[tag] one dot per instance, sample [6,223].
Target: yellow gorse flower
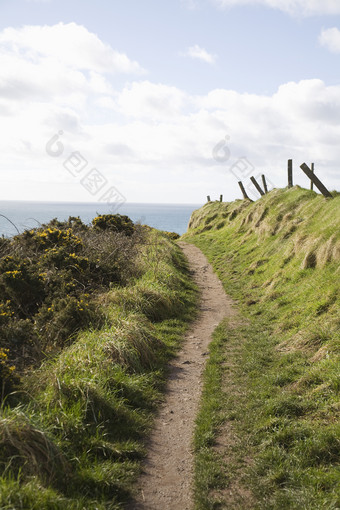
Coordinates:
[14,273]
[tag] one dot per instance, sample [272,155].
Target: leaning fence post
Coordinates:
[257,186]
[315,180]
[311,182]
[264,183]
[290,173]
[244,193]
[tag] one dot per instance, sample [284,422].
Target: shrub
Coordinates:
[172,235]
[115,223]
[8,377]
[112,255]
[5,312]
[73,222]
[49,277]
[17,334]
[48,237]
[21,285]
[64,317]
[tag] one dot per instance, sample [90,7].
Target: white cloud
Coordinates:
[63,65]
[199,53]
[106,102]
[70,44]
[151,101]
[147,137]
[299,121]
[330,38]
[293,7]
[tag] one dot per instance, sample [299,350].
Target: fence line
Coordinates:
[310,172]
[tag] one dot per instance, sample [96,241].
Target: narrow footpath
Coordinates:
[166,481]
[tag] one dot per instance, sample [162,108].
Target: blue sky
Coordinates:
[144,91]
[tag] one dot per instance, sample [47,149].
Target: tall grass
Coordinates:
[279,258]
[77,438]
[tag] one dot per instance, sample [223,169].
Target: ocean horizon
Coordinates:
[17,216]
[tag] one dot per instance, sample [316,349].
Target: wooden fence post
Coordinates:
[244,193]
[208,198]
[315,180]
[257,186]
[264,183]
[290,173]
[311,182]
[221,198]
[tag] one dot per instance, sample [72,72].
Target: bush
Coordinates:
[73,222]
[64,317]
[50,277]
[172,235]
[115,223]
[21,285]
[8,377]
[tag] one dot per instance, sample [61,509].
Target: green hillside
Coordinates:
[273,378]
[89,318]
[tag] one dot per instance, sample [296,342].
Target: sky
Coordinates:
[166,101]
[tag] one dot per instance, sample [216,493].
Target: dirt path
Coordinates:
[167,475]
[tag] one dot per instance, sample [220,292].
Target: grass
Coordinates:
[76,439]
[210,471]
[222,450]
[268,432]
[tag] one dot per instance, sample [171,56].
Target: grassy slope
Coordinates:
[272,383]
[77,439]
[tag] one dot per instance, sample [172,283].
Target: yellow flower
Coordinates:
[13,273]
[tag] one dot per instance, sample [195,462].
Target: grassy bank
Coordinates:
[72,432]
[272,383]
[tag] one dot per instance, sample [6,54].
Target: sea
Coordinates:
[15,216]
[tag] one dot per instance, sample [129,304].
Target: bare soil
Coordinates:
[166,480]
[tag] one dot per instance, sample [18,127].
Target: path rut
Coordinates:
[166,480]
